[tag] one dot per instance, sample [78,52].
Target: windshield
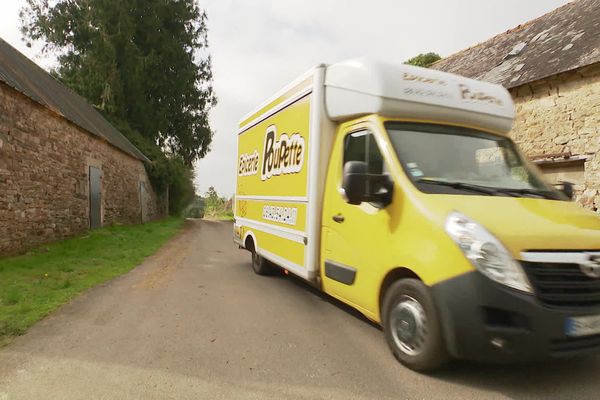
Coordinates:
[447,159]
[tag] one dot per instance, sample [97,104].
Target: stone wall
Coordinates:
[561,114]
[44,184]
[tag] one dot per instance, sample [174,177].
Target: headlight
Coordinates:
[486,252]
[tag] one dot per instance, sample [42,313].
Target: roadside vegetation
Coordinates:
[216,207]
[210,206]
[34,284]
[195,209]
[424,59]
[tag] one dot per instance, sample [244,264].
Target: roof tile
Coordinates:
[562,40]
[25,76]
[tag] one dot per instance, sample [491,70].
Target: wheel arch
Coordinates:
[250,242]
[392,276]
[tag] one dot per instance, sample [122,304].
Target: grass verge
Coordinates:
[34,284]
[226,216]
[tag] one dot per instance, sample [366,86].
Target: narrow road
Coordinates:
[194,322]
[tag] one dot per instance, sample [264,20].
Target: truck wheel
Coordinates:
[262,266]
[411,325]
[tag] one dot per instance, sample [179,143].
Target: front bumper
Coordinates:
[484,321]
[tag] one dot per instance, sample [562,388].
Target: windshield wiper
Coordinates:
[464,186]
[492,191]
[544,194]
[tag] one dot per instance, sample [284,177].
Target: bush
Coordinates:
[217,207]
[195,209]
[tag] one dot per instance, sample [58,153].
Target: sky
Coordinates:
[259,46]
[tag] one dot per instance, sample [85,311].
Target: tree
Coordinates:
[215,206]
[424,60]
[212,198]
[166,172]
[144,62]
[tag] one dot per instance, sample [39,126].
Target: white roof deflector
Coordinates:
[359,87]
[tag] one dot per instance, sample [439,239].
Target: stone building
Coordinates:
[63,167]
[551,66]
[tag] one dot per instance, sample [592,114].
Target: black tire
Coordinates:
[261,266]
[412,326]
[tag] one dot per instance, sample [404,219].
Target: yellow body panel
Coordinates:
[289,250]
[306,83]
[255,178]
[271,196]
[409,233]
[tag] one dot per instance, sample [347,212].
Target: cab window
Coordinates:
[361,146]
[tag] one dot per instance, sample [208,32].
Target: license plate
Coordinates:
[582,326]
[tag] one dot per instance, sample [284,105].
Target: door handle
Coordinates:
[339,218]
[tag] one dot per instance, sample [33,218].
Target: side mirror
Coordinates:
[361,186]
[354,181]
[567,189]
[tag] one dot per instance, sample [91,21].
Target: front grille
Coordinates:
[564,346]
[563,285]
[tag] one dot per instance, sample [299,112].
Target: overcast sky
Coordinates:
[259,46]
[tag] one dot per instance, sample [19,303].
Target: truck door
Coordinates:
[355,237]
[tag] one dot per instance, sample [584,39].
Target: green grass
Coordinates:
[35,284]
[226,216]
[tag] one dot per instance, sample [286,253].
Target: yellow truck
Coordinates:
[397,190]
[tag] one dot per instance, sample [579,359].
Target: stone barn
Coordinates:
[551,66]
[63,167]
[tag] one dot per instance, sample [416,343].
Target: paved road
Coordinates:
[194,322]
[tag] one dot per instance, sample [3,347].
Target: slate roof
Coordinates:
[23,75]
[562,40]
